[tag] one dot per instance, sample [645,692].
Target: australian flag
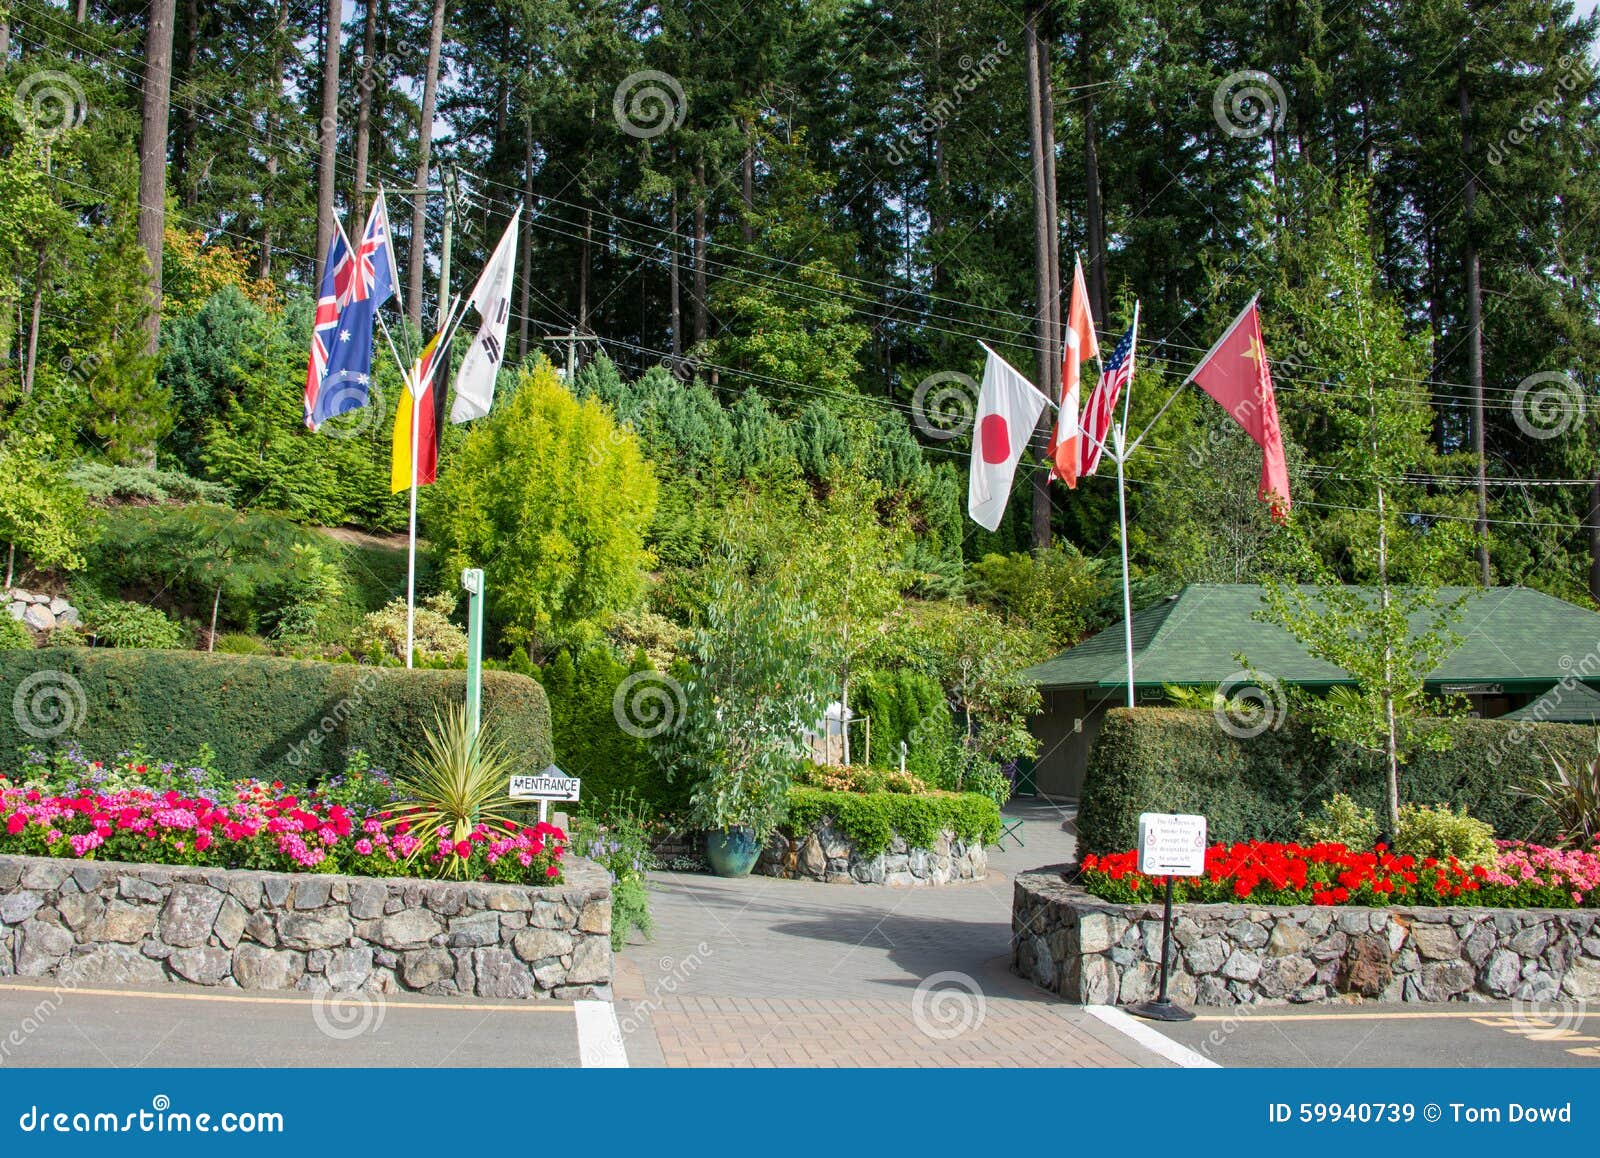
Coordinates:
[355,284]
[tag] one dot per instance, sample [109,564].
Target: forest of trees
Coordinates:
[830,201]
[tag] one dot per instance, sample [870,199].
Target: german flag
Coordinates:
[430,376]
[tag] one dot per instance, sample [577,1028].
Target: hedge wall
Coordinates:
[872,818]
[276,718]
[1173,760]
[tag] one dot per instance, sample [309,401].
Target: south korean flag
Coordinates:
[491,297]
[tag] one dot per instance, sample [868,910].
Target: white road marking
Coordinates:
[599,1036]
[1153,1040]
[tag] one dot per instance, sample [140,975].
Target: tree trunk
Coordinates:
[329,139]
[585,248]
[83,12]
[216,603]
[32,362]
[5,40]
[419,199]
[264,265]
[748,184]
[1094,214]
[11,564]
[1594,540]
[188,124]
[1469,258]
[369,50]
[699,250]
[153,157]
[527,235]
[674,309]
[1036,63]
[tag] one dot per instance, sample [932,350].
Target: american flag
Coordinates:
[1102,403]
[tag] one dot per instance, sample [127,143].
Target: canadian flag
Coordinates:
[1008,411]
[1080,347]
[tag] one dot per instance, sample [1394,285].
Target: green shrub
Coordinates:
[282,719]
[1567,798]
[242,643]
[871,819]
[102,483]
[1341,821]
[1169,760]
[382,634]
[13,634]
[1444,833]
[123,623]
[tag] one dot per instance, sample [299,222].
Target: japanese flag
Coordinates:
[491,297]
[1008,410]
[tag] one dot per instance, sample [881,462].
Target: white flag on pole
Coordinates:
[1008,410]
[491,297]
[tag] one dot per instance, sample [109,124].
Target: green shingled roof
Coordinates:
[1513,636]
[1573,704]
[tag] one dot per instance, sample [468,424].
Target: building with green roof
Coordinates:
[1517,644]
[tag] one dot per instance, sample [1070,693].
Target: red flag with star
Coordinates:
[1235,372]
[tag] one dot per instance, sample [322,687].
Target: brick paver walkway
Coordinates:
[763,972]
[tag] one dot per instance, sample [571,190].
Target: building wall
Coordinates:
[1066,729]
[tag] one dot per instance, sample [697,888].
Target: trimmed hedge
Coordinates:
[871,819]
[1177,760]
[278,719]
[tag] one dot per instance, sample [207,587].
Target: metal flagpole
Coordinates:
[1119,439]
[411,544]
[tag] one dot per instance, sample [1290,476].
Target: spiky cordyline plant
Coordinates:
[456,782]
[1570,798]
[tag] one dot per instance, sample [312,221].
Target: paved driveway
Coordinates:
[764,972]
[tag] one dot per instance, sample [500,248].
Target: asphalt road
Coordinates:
[1336,1037]
[45,1025]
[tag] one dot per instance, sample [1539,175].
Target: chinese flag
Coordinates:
[1236,374]
[1080,347]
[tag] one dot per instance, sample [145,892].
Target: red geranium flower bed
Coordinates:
[1274,873]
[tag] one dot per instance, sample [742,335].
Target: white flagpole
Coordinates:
[411,537]
[1118,438]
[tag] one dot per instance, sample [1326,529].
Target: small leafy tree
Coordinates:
[757,686]
[41,512]
[1395,629]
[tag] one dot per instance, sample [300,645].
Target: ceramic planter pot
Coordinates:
[732,852]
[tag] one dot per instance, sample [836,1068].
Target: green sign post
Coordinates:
[472,580]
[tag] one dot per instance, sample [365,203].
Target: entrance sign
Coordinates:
[551,784]
[1172,844]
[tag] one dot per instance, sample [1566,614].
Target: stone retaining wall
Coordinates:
[100,922]
[1097,953]
[826,854]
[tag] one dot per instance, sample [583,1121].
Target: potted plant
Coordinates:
[760,678]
